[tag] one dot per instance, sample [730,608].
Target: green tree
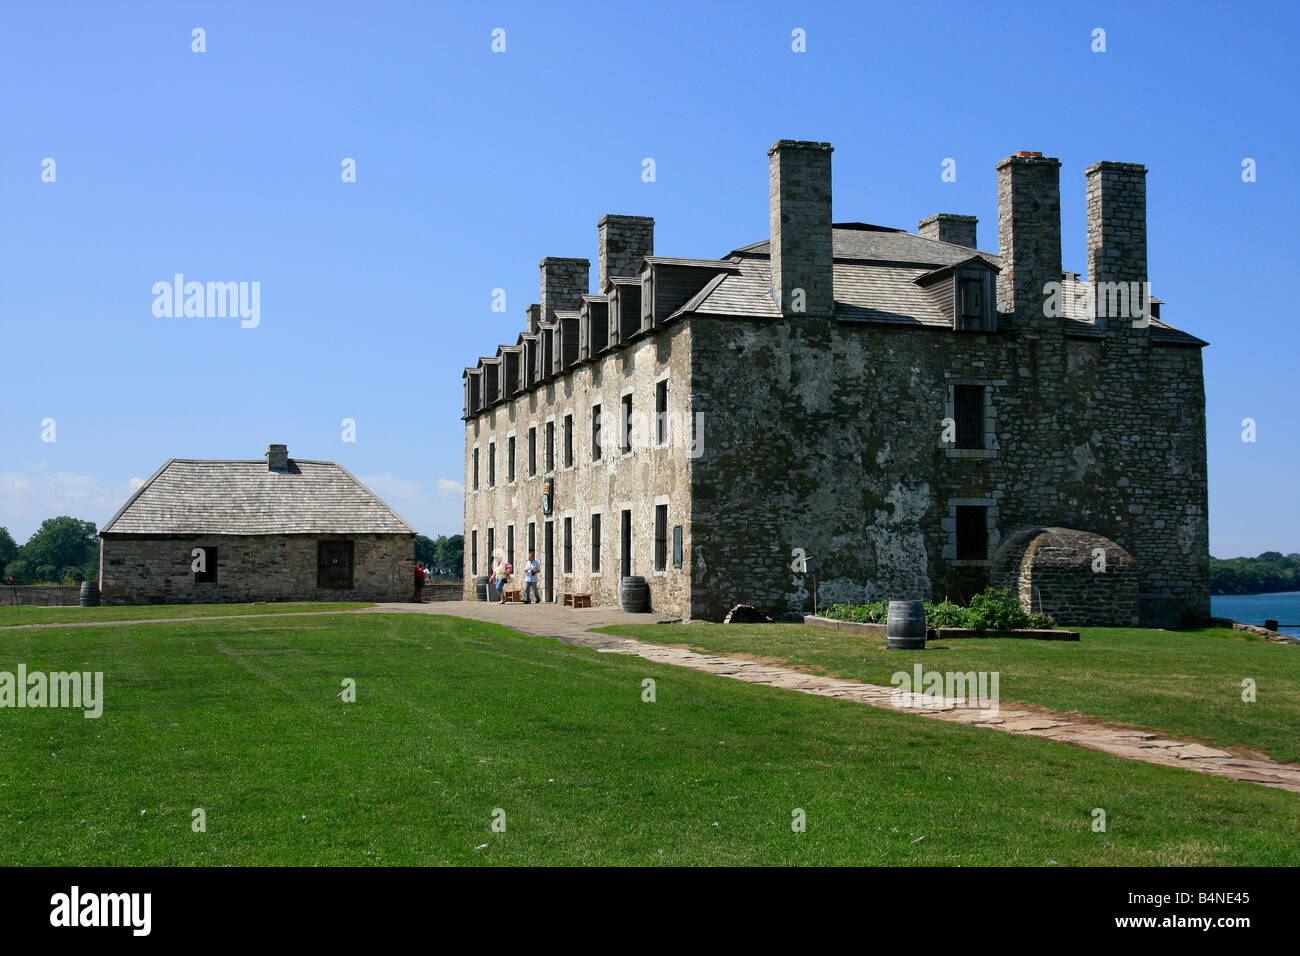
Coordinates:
[61,547]
[8,550]
[425,550]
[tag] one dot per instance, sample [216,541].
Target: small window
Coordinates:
[492,464]
[532,450]
[661,413]
[595,433]
[510,543]
[968,413]
[476,469]
[532,538]
[550,446]
[568,545]
[661,537]
[595,543]
[510,458]
[677,546]
[473,553]
[209,563]
[568,441]
[334,564]
[491,547]
[625,439]
[972,533]
[974,307]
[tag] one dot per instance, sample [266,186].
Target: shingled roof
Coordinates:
[875,268]
[188,497]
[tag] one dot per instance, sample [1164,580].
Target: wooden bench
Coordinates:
[512,597]
[577,600]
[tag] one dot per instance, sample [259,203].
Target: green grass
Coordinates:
[1182,683]
[454,718]
[11,616]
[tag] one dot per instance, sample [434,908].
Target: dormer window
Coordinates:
[975,301]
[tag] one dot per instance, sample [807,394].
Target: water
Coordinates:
[1283,606]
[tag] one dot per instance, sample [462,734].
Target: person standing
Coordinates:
[531,568]
[419,581]
[501,572]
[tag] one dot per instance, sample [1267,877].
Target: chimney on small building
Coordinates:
[1117,240]
[277,457]
[799,214]
[623,242]
[1029,238]
[534,317]
[949,227]
[564,283]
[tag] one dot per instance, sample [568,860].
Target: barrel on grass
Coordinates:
[481,587]
[905,626]
[634,595]
[89,594]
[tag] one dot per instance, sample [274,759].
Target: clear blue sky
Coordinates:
[472,166]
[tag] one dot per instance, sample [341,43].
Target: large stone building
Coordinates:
[274,529]
[913,416]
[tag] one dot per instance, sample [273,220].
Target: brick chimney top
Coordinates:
[277,457]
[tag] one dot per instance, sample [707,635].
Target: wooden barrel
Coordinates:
[634,595]
[481,588]
[905,625]
[89,594]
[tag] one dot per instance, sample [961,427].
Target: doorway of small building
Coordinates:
[548,562]
[625,547]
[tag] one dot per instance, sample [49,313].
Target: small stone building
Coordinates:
[851,410]
[276,529]
[1077,577]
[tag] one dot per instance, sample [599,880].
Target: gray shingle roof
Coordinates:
[875,268]
[244,497]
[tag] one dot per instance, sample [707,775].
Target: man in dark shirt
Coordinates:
[419,582]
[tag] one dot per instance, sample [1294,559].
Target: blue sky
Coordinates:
[472,165]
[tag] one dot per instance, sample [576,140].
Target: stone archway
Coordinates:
[1080,578]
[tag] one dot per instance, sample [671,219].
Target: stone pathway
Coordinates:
[574,627]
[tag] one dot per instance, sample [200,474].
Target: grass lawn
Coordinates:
[10,616]
[456,718]
[1182,683]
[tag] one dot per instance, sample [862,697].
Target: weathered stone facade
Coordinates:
[825,432]
[145,570]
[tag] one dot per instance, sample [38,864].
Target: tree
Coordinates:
[8,549]
[60,548]
[425,550]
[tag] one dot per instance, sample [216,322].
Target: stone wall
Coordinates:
[143,570]
[823,436]
[635,480]
[1076,577]
[40,595]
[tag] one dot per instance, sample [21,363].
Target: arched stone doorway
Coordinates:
[1081,579]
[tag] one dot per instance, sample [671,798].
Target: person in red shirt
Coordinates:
[419,582]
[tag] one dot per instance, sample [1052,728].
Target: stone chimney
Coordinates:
[799,212]
[534,317]
[624,241]
[1029,238]
[949,227]
[564,282]
[1117,242]
[277,457]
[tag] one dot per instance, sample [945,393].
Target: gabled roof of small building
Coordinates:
[189,497]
